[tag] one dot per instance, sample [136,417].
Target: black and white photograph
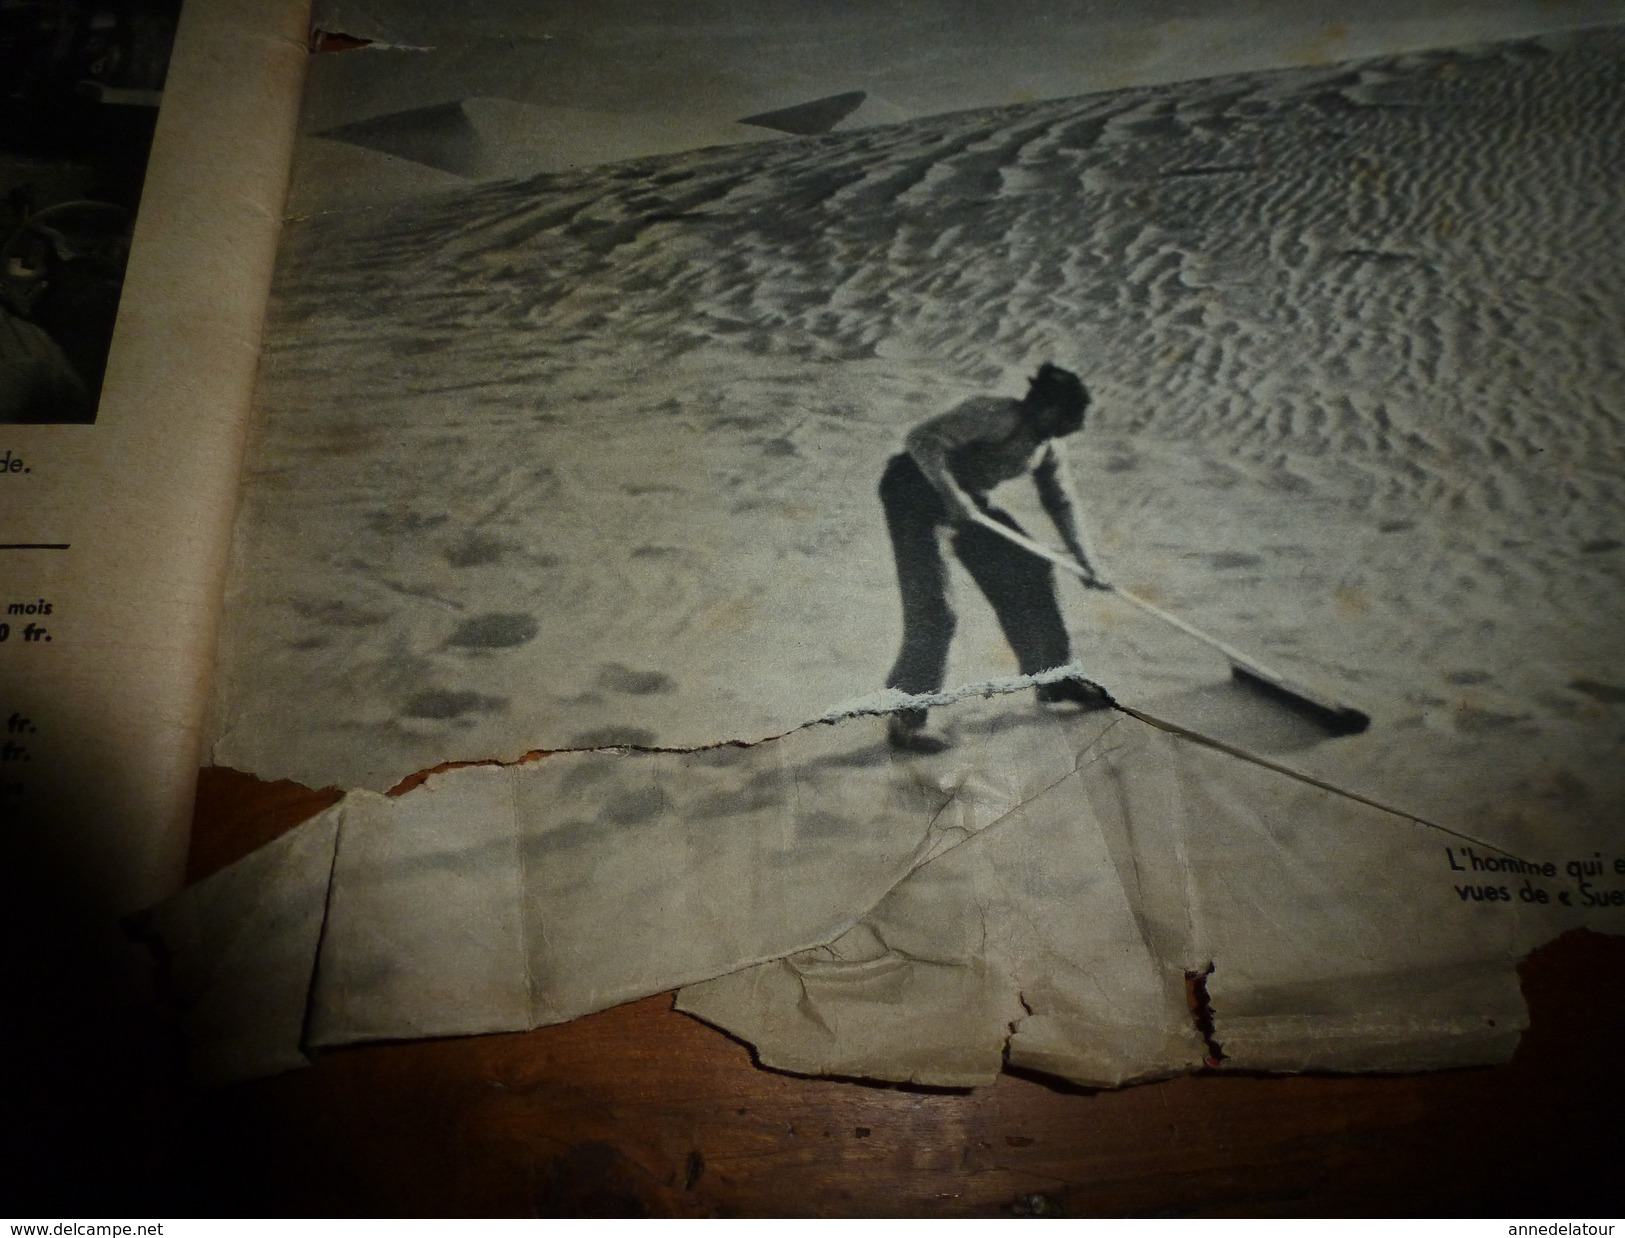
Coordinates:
[1281,408]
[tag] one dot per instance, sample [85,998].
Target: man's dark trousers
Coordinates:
[1020,586]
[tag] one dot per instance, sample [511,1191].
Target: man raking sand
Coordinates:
[942,480]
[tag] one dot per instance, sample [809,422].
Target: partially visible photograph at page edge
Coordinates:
[82,85]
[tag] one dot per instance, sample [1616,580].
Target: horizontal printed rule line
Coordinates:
[33,545]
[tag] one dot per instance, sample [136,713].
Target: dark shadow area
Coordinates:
[806,119]
[89,1066]
[1238,716]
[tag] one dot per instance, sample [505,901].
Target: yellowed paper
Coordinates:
[1331,935]
[237,955]
[502,897]
[1039,898]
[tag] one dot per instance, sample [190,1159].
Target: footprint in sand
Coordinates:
[615,737]
[337,613]
[1471,721]
[635,806]
[494,631]
[443,706]
[476,550]
[1604,693]
[613,677]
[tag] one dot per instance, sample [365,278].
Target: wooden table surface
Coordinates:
[643,1111]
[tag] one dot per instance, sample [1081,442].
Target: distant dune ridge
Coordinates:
[590,458]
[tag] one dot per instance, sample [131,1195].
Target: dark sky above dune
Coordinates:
[561,84]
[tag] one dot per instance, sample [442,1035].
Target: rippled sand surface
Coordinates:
[590,459]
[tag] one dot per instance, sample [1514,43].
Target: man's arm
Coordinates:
[930,442]
[1055,493]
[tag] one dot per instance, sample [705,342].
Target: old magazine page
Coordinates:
[121,444]
[937,536]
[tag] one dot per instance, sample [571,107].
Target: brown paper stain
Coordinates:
[1351,602]
[728,614]
[1327,47]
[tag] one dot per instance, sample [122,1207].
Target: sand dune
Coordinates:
[590,459]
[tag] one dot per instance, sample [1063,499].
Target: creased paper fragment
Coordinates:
[238,950]
[1037,895]
[495,898]
[1027,925]
[1342,936]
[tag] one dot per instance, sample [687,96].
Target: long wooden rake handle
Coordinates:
[1337,716]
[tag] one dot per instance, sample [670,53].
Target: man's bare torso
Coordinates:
[982,442]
